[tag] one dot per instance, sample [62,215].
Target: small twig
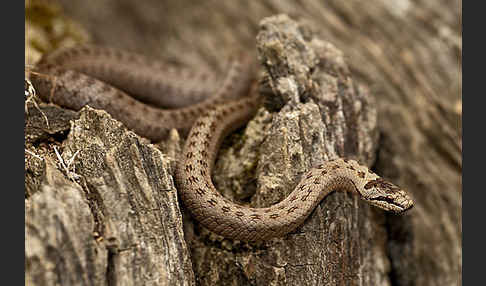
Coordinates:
[48,76]
[72,159]
[71,174]
[34,155]
[59,157]
[30,96]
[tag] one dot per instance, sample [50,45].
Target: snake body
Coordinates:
[78,77]
[211,121]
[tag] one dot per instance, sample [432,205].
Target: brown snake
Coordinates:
[70,86]
[210,121]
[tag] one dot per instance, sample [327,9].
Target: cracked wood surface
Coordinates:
[118,224]
[415,79]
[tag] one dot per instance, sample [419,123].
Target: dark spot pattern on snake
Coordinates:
[227,107]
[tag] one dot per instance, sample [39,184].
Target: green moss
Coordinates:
[47,29]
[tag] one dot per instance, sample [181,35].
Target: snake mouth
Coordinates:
[390,201]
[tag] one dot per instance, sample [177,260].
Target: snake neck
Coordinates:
[319,182]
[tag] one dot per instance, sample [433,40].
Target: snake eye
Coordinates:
[380,183]
[370,184]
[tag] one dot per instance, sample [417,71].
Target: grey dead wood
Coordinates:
[322,115]
[59,246]
[408,57]
[119,223]
[38,134]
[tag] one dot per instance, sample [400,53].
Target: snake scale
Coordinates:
[78,76]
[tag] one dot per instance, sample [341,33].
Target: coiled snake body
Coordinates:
[210,121]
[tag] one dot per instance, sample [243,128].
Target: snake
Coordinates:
[79,76]
[85,75]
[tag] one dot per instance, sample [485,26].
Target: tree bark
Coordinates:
[363,58]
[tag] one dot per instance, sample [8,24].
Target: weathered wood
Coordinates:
[118,224]
[325,116]
[407,55]
[59,244]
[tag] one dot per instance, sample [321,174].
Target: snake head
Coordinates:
[386,196]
